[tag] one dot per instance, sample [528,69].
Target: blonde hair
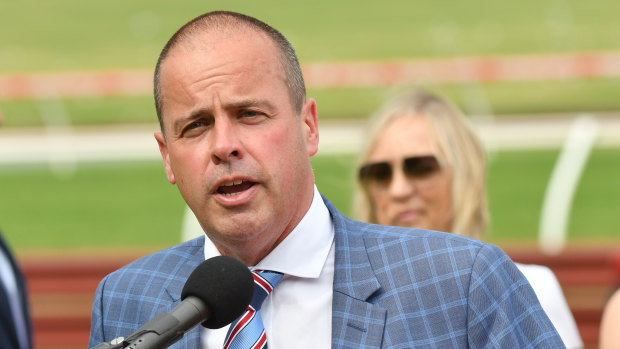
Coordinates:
[459,148]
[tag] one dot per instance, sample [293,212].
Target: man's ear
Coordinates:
[163,149]
[310,125]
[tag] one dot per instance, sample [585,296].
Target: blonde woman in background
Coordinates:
[423,167]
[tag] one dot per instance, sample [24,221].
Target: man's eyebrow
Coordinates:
[250,102]
[240,104]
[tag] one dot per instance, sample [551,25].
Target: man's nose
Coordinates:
[225,142]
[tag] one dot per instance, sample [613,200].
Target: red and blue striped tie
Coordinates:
[248,331]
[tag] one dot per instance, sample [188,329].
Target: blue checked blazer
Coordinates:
[393,288]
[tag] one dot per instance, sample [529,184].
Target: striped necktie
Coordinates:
[248,330]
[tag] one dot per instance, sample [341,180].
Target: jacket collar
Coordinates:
[356,320]
[196,256]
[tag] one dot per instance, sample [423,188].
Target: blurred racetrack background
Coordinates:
[80,173]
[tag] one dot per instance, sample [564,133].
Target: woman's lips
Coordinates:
[407,217]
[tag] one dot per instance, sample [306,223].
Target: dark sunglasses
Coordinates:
[415,167]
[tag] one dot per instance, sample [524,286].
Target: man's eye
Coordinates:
[193,127]
[249,113]
[251,116]
[194,124]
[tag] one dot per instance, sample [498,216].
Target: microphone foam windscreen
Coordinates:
[225,284]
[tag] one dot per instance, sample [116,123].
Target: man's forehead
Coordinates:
[227,60]
[225,46]
[212,38]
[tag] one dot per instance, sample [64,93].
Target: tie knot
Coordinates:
[264,282]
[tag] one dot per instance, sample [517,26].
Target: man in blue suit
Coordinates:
[15,328]
[237,134]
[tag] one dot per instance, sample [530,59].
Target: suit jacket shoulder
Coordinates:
[129,297]
[8,331]
[396,287]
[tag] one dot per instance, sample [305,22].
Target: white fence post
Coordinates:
[563,184]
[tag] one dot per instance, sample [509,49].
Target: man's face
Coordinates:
[234,144]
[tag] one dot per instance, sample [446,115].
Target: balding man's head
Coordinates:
[223,22]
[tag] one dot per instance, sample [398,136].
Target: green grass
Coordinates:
[566,96]
[71,34]
[601,186]
[517,183]
[76,35]
[333,177]
[132,205]
[79,111]
[99,205]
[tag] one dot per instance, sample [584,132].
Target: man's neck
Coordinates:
[251,252]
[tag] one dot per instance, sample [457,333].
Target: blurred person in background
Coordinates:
[423,167]
[15,327]
[610,323]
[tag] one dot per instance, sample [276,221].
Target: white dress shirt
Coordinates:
[298,313]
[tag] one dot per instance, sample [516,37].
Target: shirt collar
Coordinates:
[305,250]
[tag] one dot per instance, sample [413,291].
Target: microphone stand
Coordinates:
[163,329]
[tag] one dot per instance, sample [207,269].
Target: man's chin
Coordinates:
[236,230]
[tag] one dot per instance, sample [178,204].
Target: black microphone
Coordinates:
[217,292]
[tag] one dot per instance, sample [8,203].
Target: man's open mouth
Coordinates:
[234,187]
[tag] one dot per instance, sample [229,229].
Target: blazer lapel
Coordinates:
[191,339]
[356,321]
